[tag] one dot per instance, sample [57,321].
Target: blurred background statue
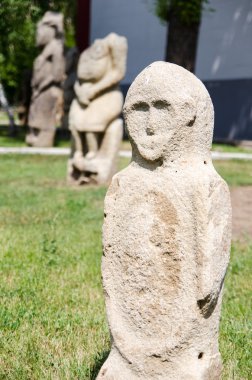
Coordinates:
[48,73]
[71,61]
[93,119]
[5,105]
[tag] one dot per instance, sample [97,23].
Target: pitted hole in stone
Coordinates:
[200,356]
[207,305]
[191,122]
[105,215]
[149,131]
[104,372]
[205,162]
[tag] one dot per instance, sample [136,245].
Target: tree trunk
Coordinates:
[83,24]
[182,41]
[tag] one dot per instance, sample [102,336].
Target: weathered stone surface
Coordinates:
[166,235]
[93,118]
[48,73]
[71,61]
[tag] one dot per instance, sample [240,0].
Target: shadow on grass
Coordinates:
[17,136]
[16,139]
[98,362]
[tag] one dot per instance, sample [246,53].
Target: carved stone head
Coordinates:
[168,113]
[49,27]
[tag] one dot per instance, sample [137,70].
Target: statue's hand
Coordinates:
[83,92]
[84,100]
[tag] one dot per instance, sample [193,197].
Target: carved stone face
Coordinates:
[94,61]
[149,124]
[155,117]
[45,33]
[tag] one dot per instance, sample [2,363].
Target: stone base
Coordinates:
[40,138]
[184,368]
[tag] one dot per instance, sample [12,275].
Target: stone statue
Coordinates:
[48,73]
[93,119]
[166,235]
[71,61]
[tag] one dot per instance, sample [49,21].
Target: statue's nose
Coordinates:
[150,123]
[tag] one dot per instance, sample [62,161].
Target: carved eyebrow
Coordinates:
[140,106]
[161,104]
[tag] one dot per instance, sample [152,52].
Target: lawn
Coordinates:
[19,140]
[52,315]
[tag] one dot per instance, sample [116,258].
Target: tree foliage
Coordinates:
[17,31]
[187,11]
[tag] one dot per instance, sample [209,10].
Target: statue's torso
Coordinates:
[152,255]
[94,62]
[98,114]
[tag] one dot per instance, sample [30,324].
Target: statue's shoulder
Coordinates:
[218,184]
[122,180]
[214,188]
[116,38]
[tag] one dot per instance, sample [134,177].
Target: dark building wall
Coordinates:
[232,100]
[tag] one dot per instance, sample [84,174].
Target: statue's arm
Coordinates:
[213,221]
[54,55]
[58,63]
[81,91]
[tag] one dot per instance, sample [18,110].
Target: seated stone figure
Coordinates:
[48,73]
[93,118]
[166,235]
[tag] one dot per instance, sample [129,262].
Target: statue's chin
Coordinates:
[150,154]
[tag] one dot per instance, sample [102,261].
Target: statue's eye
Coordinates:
[161,104]
[141,106]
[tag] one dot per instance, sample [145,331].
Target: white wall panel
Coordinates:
[225,41]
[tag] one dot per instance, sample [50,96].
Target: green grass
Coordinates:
[19,140]
[236,322]
[52,315]
[230,148]
[6,141]
[235,172]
